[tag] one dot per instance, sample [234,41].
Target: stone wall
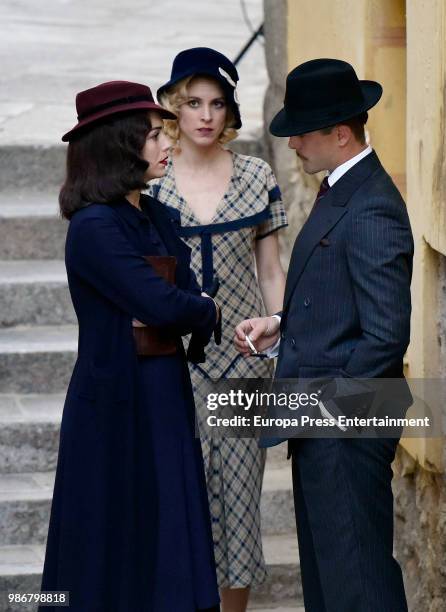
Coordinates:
[442,315]
[420,532]
[420,506]
[298,189]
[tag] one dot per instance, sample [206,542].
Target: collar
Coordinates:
[130,213]
[345,167]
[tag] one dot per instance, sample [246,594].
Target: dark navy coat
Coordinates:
[103,539]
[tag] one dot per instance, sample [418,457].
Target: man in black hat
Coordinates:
[346,314]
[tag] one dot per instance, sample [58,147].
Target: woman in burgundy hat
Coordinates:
[129,528]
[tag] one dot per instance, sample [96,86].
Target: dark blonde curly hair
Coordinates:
[177,95]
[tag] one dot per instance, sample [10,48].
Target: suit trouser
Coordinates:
[344,513]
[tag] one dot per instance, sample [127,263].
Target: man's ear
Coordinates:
[344,134]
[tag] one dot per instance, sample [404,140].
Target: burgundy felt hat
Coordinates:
[110,99]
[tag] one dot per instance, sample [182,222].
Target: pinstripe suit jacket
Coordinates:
[347,300]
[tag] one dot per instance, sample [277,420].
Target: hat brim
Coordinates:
[285,123]
[210,73]
[116,110]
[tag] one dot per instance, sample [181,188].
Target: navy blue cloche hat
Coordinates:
[204,61]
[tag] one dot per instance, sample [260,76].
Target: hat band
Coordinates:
[112,103]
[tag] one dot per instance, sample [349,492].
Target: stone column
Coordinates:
[297,190]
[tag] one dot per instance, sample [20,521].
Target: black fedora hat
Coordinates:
[321,93]
[111,98]
[208,62]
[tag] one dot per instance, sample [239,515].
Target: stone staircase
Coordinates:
[38,341]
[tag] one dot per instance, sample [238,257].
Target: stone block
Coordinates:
[43,372]
[45,166]
[25,238]
[277,504]
[28,446]
[37,359]
[25,501]
[35,304]
[276,455]
[24,521]
[20,570]
[277,512]
[30,226]
[283,581]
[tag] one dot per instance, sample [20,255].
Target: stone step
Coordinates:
[29,439]
[277,455]
[25,499]
[34,292]
[33,167]
[20,572]
[277,504]
[283,581]
[37,359]
[21,566]
[30,225]
[24,507]
[29,432]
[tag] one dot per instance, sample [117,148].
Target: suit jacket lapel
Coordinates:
[326,213]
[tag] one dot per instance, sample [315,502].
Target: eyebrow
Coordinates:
[219,99]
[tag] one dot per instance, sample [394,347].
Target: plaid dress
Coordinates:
[250,210]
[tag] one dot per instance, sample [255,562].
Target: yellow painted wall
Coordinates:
[426,191]
[322,28]
[408,57]
[426,57]
[370,34]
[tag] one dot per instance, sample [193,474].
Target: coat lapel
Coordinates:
[174,245]
[326,213]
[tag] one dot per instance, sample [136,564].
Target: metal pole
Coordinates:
[258,32]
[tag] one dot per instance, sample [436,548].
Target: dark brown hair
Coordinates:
[104,162]
[356,124]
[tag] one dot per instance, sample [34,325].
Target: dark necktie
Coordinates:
[325,186]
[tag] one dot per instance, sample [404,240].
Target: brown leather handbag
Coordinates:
[151,340]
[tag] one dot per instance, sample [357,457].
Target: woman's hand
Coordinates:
[263,332]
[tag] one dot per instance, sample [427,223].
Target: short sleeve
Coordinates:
[276,212]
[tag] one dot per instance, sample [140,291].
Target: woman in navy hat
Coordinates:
[129,528]
[227,207]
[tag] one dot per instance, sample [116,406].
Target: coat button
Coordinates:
[307,302]
[293,342]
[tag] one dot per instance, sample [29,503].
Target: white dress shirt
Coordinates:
[345,167]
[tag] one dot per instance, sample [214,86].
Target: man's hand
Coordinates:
[262,331]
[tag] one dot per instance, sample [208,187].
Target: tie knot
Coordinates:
[325,186]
